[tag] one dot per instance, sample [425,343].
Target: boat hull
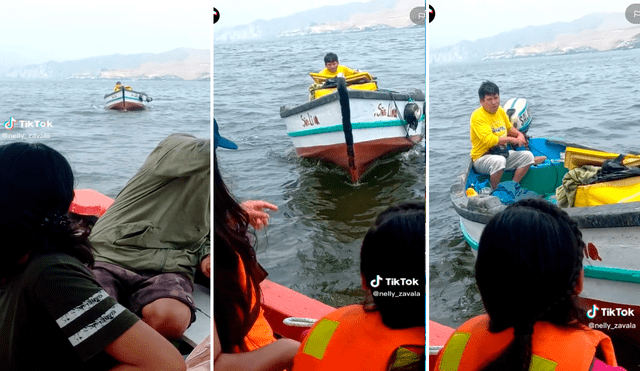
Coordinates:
[611,262]
[353,137]
[126,100]
[365,153]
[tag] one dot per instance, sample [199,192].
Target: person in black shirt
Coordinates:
[53,313]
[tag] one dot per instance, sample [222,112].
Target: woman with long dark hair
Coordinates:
[387,332]
[529,273]
[53,313]
[242,337]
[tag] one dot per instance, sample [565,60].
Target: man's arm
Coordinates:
[515,137]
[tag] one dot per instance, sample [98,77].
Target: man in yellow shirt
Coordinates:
[492,129]
[333,67]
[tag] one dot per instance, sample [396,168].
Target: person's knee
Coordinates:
[529,156]
[499,164]
[169,317]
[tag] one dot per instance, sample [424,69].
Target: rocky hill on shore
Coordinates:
[593,33]
[177,64]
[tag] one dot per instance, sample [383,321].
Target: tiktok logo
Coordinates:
[376,282]
[9,124]
[591,313]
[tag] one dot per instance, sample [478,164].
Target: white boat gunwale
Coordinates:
[416,95]
[119,93]
[590,271]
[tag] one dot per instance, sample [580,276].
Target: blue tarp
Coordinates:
[510,192]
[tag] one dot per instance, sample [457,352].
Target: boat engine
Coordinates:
[517,110]
[412,114]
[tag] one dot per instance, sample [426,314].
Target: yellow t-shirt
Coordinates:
[486,129]
[346,71]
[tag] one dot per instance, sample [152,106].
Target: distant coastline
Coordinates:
[178,64]
[596,32]
[353,17]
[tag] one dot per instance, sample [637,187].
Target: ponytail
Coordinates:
[528,266]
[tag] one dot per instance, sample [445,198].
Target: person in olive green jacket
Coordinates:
[150,242]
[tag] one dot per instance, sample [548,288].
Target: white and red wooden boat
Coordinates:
[353,128]
[125,99]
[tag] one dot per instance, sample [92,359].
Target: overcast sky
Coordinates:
[235,13]
[36,31]
[40,30]
[471,20]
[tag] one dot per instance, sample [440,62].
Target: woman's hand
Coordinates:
[276,356]
[257,217]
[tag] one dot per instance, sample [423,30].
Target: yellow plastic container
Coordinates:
[471,192]
[367,86]
[613,192]
[359,77]
[577,157]
[118,88]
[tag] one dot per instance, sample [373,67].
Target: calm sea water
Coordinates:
[312,244]
[105,147]
[585,98]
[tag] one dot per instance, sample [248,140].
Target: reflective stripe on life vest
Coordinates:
[554,348]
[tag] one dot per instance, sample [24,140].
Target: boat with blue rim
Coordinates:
[352,128]
[606,209]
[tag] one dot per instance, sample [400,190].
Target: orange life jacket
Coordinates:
[352,339]
[261,333]
[554,348]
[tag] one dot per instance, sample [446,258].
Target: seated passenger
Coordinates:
[388,332]
[150,242]
[242,337]
[120,86]
[333,67]
[323,79]
[491,129]
[529,273]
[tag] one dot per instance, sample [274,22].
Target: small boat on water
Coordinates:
[126,99]
[607,211]
[350,125]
